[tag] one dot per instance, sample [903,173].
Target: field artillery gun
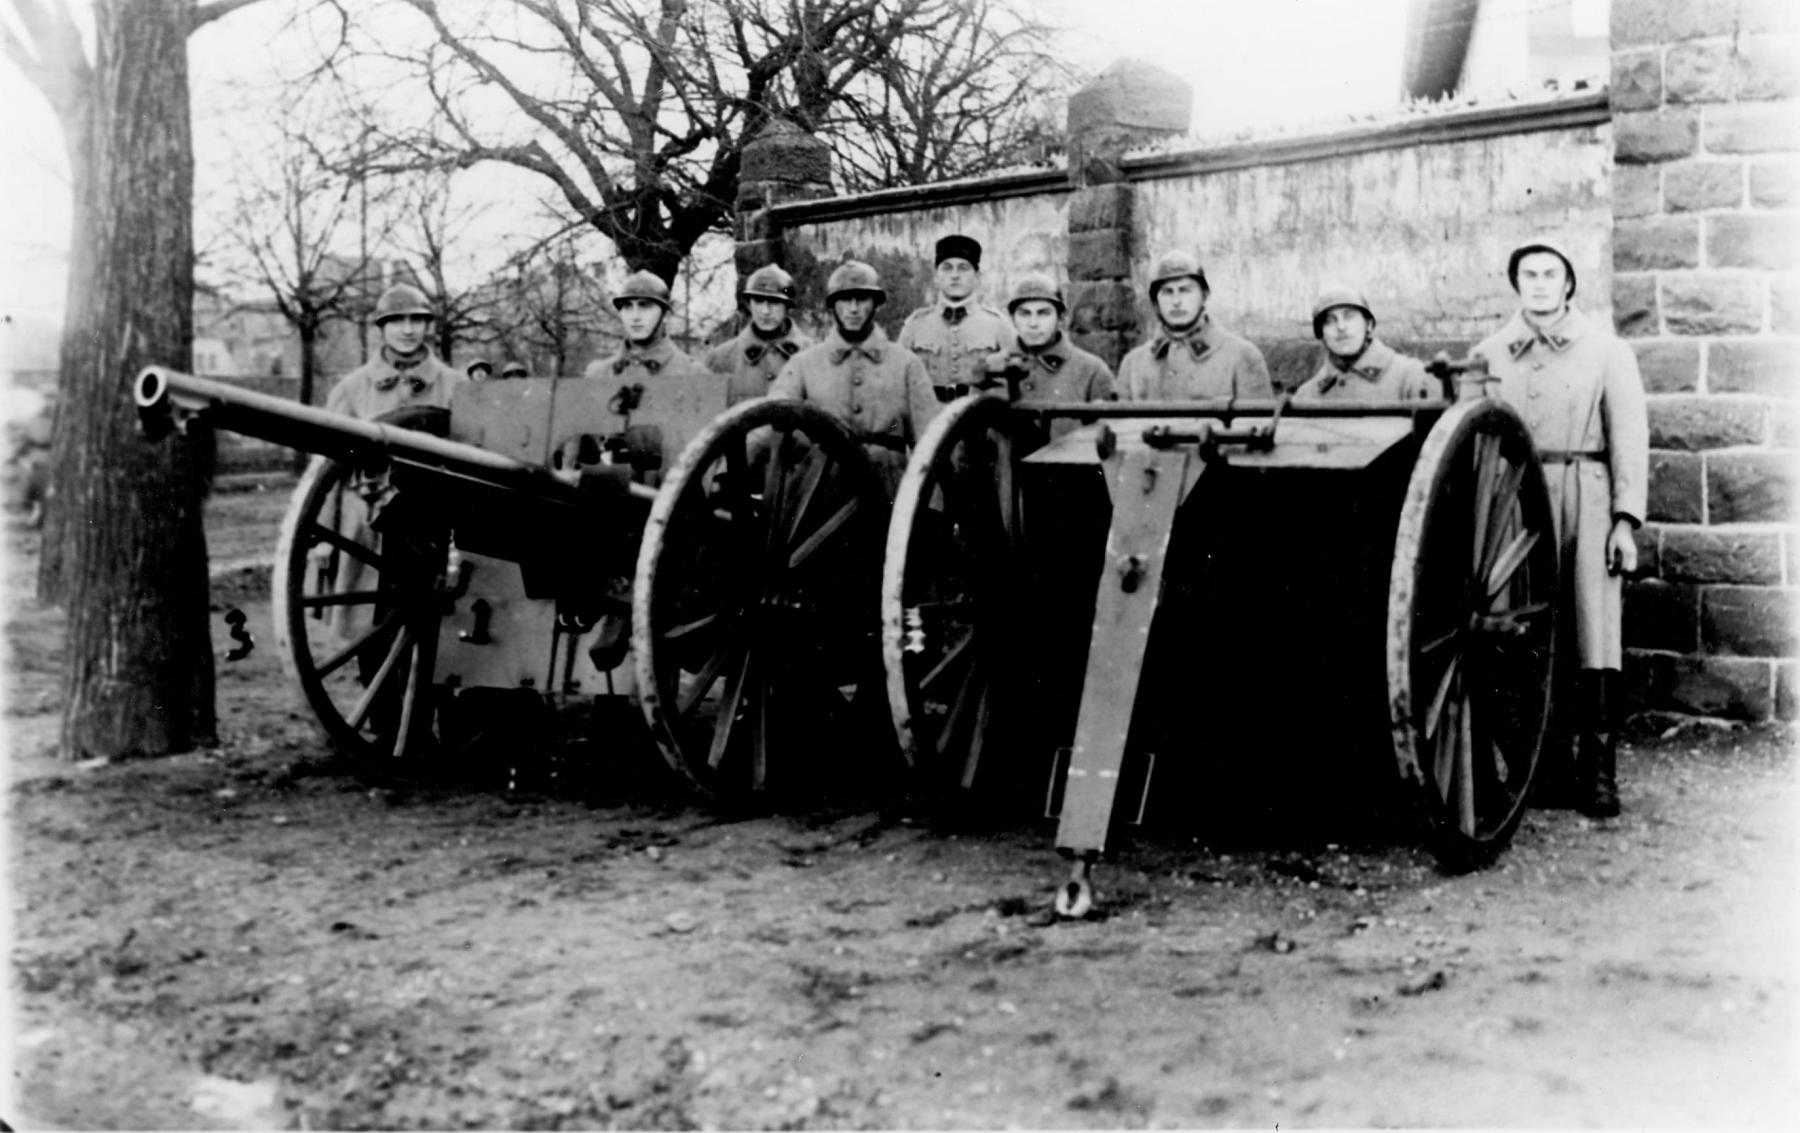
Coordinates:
[1178,591]
[441,573]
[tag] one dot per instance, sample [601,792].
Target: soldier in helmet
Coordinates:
[752,359]
[404,371]
[1046,365]
[880,389]
[1578,388]
[643,306]
[479,370]
[1189,356]
[1358,366]
[954,336]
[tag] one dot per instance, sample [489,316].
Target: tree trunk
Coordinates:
[127,552]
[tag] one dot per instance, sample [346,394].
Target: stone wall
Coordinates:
[1707,145]
[1419,211]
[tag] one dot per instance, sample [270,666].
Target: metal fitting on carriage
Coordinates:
[1132,569]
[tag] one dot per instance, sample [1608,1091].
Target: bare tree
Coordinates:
[123,546]
[637,111]
[552,310]
[301,227]
[432,229]
[974,87]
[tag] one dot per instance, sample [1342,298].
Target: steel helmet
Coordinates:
[1035,286]
[853,277]
[1539,244]
[1337,295]
[402,299]
[770,282]
[643,285]
[1176,265]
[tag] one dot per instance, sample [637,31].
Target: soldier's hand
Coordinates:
[1621,549]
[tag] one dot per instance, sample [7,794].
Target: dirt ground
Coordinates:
[255,937]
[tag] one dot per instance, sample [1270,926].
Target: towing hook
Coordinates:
[1075,899]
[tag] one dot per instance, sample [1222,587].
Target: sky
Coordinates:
[1252,63]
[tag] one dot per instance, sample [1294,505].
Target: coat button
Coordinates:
[1534,393]
[1537,365]
[857,380]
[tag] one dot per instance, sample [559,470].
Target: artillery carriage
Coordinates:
[1386,568]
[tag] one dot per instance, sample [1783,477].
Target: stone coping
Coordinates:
[1564,112]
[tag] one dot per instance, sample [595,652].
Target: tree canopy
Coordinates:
[637,111]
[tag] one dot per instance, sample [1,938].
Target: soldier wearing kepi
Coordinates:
[879,389]
[404,371]
[646,353]
[1577,386]
[1046,365]
[954,336]
[750,361]
[1358,366]
[1189,356]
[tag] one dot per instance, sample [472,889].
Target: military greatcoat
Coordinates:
[639,362]
[1060,371]
[954,339]
[879,389]
[1206,361]
[1577,386]
[1379,374]
[380,386]
[750,362]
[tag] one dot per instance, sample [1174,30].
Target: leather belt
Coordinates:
[1559,456]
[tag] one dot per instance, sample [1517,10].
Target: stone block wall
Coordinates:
[1706,243]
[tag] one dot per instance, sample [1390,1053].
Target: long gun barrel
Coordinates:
[165,397]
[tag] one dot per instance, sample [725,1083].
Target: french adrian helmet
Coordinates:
[853,277]
[1175,265]
[402,299]
[1337,295]
[770,282]
[643,285]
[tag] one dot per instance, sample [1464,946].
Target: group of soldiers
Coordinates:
[1575,384]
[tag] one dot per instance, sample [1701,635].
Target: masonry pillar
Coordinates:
[782,163]
[1706,231]
[1129,104]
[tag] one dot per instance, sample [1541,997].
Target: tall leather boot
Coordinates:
[1597,749]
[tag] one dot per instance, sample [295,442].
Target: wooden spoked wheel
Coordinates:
[754,605]
[356,610]
[1471,629]
[954,593]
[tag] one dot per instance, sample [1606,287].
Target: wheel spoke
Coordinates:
[402,641]
[703,681]
[809,484]
[409,701]
[1502,514]
[951,656]
[1434,715]
[1003,481]
[1445,742]
[337,660]
[826,530]
[972,678]
[318,533]
[1509,561]
[686,628]
[726,720]
[1485,461]
[983,709]
[1465,767]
